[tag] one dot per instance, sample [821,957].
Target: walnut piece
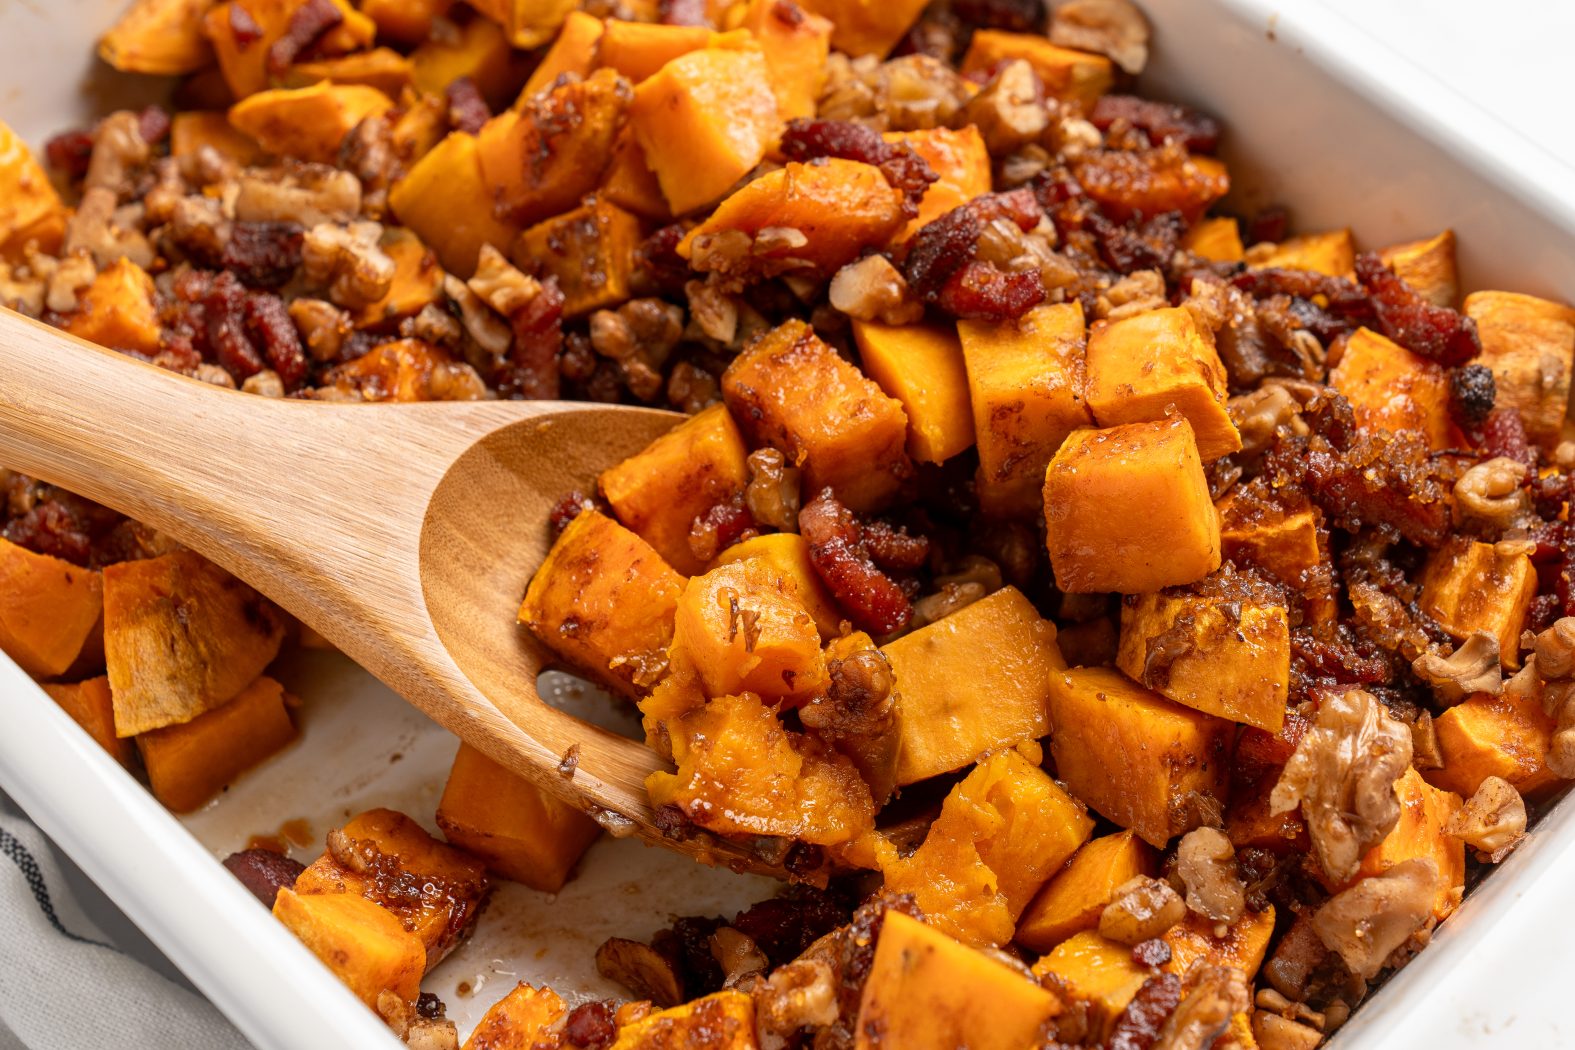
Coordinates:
[1114,28]
[801,994]
[1260,414]
[1274,1032]
[642,969]
[1343,775]
[1366,923]
[348,261]
[500,284]
[1546,676]
[1143,908]
[1490,492]
[772,495]
[737,954]
[1472,668]
[872,289]
[1218,994]
[1206,863]
[1010,110]
[305,194]
[1493,821]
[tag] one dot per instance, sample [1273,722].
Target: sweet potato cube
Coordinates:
[1127,509]
[630,183]
[1424,812]
[721,1021]
[1529,343]
[1251,821]
[48,608]
[574,51]
[525,1019]
[445,203]
[406,22]
[243,33]
[28,200]
[308,122]
[1493,736]
[591,250]
[89,705]
[1076,895]
[523,833]
[1028,385]
[837,206]
[638,49]
[540,161]
[1144,366]
[1243,947]
[401,370]
[194,129]
[865,27]
[796,43]
[787,553]
[117,310]
[791,391]
[382,68]
[1076,77]
[362,944]
[480,51]
[1134,756]
[961,160]
[928,992]
[1332,252]
[955,706]
[526,23]
[191,762]
[704,121]
[603,601]
[450,884]
[1222,651]
[1280,539]
[418,280]
[1002,832]
[1216,239]
[660,491]
[922,367]
[1427,266]
[160,37]
[744,629]
[181,636]
[1391,388]
[1097,971]
[1469,586]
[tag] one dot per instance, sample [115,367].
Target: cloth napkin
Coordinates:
[64,985]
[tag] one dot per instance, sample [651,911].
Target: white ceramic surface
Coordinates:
[1313,104]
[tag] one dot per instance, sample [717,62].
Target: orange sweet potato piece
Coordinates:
[1493,736]
[400,370]
[1424,813]
[406,22]
[1216,239]
[308,122]
[433,889]
[955,706]
[704,121]
[525,1019]
[445,202]
[362,944]
[1078,77]
[1280,538]
[181,636]
[660,491]
[89,705]
[1390,387]
[1427,266]
[721,1021]
[117,310]
[959,158]
[630,183]
[1469,586]
[1074,897]
[574,51]
[161,37]
[928,992]
[1134,756]
[382,68]
[523,833]
[479,51]
[526,23]
[194,129]
[1243,947]
[743,628]
[1096,970]
[1128,183]
[1332,252]
[28,201]
[922,367]
[1529,343]
[591,250]
[48,608]
[191,762]
[638,49]
[418,280]
[243,32]
[796,43]
[603,601]
[1128,510]
[788,555]
[791,391]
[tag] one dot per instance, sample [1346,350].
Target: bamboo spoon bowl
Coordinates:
[404,534]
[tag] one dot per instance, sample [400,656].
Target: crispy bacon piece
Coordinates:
[531,372]
[1504,434]
[1138,1026]
[268,319]
[905,170]
[1436,332]
[873,601]
[943,269]
[243,27]
[307,24]
[1148,245]
[70,152]
[467,110]
[153,123]
[1161,121]
[261,254]
[224,306]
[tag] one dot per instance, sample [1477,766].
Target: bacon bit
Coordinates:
[1017,16]
[1504,435]
[153,124]
[531,373]
[261,254]
[307,23]
[566,510]
[1128,183]
[1436,332]
[224,306]
[942,269]
[719,527]
[467,110]
[243,27]
[1130,248]
[872,599]
[590,1026]
[1151,953]
[70,152]
[659,261]
[893,548]
[268,319]
[1138,1026]
[904,169]
[1271,225]
[1161,121]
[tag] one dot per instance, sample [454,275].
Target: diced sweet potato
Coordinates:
[630,183]
[660,491]
[721,1021]
[522,832]
[1427,266]
[1283,540]
[362,944]
[1503,736]
[1142,367]
[1250,819]
[181,636]
[526,23]
[445,202]
[399,370]
[1424,812]
[1469,586]
[1129,185]
[1216,239]
[1096,970]
[161,37]
[1076,77]
[1390,387]
[603,601]
[406,22]
[480,51]
[740,772]
[961,160]
[194,129]
[574,51]
[795,42]
[743,628]
[791,391]
[308,122]
[1134,756]
[867,27]
[433,889]
[1530,345]
[1243,947]
[117,310]
[922,367]
[89,705]
[638,49]
[1002,832]
[955,706]
[1332,252]
[28,201]
[382,68]
[191,762]
[591,250]
[540,161]
[525,1019]
[928,992]
[1224,653]
[1028,385]
[48,608]
[243,33]
[1074,897]
[1127,509]
[704,121]
[418,280]
[788,555]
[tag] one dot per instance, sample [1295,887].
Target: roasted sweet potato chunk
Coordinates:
[722,1021]
[1424,812]
[117,310]
[526,23]
[742,626]
[1217,239]
[1076,77]
[525,1019]
[418,280]
[961,161]
[1469,586]
[89,705]
[630,183]
[29,206]
[1428,266]
[1332,252]
[479,51]
[399,370]
[590,250]
[1390,387]
[364,945]
[404,21]
[444,200]
[1502,736]
[574,51]
[382,68]
[1283,539]
[1096,970]
[796,43]
[191,762]
[244,32]
[1530,345]
[638,49]
[161,37]
[192,130]
[788,555]
[48,608]
[922,367]
[1074,897]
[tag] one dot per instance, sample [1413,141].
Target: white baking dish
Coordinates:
[1319,115]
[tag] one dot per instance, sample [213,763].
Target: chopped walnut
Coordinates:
[689,388]
[872,289]
[910,93]
[772,495]
[713,311]
[98,228]
[1555,649]
[502,285]
[1136,293]
[485,327]
[265,383]
[1114,28]
[405,1020]
[800,994]
[75,273]
[1472,668]
[215,375]
[1141,909]
[1491,493]
[1206,863]
[951,598]
[641,969]
[455,381]
[198,227]
[323,327]
[305,194]
[1425,753]
[1547,676]
[1342,774]
[348,261]
[1274,1032]
[118,149]
[1259,415]
[1493,821]
[1218,994]
[1366,923]
[22,289]
[1010,110]
[737,954]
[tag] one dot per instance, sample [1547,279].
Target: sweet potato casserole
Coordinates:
[1129,623]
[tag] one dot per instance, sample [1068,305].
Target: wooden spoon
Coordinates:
[404,534]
